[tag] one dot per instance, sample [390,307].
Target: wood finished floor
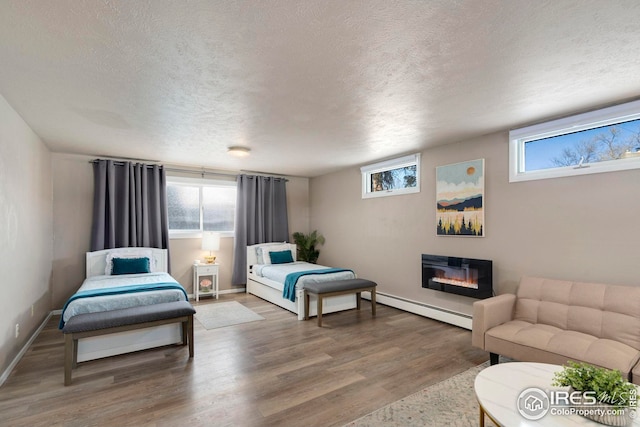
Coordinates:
[275,372]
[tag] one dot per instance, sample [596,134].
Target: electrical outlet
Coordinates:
[17,329]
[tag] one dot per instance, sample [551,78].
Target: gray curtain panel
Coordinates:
[129,206]
[261,217]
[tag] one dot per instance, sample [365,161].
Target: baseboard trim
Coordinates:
[24,349]
[437,313]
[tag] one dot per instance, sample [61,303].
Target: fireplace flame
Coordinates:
[454,282]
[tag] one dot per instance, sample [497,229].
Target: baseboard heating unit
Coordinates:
[437,313]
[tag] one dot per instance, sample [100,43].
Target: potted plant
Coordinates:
[598,388]
[307,245]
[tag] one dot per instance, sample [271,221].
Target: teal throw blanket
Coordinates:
[289,291]
[129,289]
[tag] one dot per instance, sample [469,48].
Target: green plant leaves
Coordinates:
[306,244]
[609,385]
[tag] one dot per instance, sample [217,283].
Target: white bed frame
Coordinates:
[272,291]
[97,261]
[126,342]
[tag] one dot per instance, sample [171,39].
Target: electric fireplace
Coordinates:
[462,276]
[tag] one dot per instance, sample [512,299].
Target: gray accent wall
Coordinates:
[583,228]
[26,232]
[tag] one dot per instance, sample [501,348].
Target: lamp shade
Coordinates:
[210,241]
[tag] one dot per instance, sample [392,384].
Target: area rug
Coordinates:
[451,402]
[221,314]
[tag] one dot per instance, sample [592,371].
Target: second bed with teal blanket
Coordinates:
[294,275]
[289,291]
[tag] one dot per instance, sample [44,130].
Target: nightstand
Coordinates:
[205,280]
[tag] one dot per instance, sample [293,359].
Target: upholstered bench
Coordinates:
[127,319]
[338,287]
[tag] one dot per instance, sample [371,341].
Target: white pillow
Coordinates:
[133,253]
[262,251]
[266,259]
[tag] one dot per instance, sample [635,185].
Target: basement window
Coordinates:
[197,205]
[598,141]
[391,177]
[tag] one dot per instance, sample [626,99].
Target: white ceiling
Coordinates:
[310,86]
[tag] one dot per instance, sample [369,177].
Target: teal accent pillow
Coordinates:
[281,257]
[130,266]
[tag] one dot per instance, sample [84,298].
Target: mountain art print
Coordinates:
[460,199]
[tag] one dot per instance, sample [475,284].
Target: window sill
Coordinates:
[195,234]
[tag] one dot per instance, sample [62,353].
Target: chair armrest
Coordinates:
[488,313]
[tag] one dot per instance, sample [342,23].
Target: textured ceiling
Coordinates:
[310,86]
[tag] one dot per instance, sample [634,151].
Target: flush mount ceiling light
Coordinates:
[238,151]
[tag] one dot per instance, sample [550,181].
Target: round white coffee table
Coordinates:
[499,390]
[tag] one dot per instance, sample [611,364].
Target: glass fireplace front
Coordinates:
[462,276]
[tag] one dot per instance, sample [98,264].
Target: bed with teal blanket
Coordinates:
[105,289]
[106,293]
[283,283]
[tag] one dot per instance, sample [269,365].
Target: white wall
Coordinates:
[26,230]
[72,207]
[582,228]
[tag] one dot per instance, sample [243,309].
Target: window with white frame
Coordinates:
[391,177]
[598,141]
[197,205]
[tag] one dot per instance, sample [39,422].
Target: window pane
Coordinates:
[184,207]
[613,142]
[394,179]
[219,208]
[391,177]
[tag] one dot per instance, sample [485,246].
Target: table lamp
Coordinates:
[210,242]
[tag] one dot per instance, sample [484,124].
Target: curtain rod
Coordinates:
[200,172]
[168,169]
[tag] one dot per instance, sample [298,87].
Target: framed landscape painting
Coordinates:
[460,199]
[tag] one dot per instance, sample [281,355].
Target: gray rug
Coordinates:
[451,402]
[221,314]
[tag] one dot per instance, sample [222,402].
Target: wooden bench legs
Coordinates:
[321,296]
[187,334]
[71,339]
[70,354]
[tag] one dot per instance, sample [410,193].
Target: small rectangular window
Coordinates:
[391,177]
[599,141]
[197,205]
